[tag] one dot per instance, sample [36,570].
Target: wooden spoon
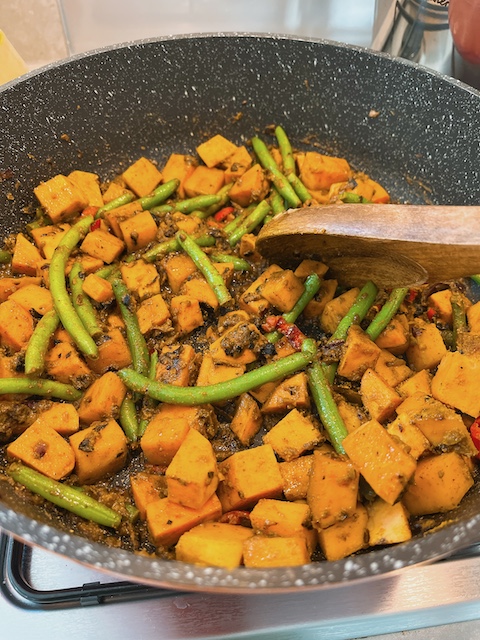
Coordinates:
[393,245]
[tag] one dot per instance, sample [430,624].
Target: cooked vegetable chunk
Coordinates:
[215,544]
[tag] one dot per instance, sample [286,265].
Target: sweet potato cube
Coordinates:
[391,369]
[162,438]
[16,325]
[100,450]
[47,238]
[426,347]
[333,488]
[441,301]
[247,419]
[336,309]
[412,437]
[381,459]
[142,177]
[61,416]
[113,353]
[178,267]
[10,285]
[147,488]
[248,476]
[98,288]
[291,393]
[176,365]
[167,520]
[114,191]
[226,270]
[141,278]
[103,245]
[199,289]
[139,231]
[353,415]
[359,354]
[307,267]
[319,172]
[296,477]
[180,167]
[235,345]
[315,307]
[442,426]
[251,300]
[201,417]
[396,335]
[204,181]
[264,551]
[63,363]
[293,435]
[102,399]
[456,382]
[285,519]
[188,223]
[60,198]
[282,289]
[438,485]
[186,313]
[216,150]
[33,297]
[345,537]
[264,391]
[378,397]
[252,186]
[89,185]
[420,381]
[387,523]
[237,164]
[192,475]
[152,313]
[116,216]
[212,373]
[26,257]
[215,544]
[43,449]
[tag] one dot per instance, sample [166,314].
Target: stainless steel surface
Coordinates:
[421,602]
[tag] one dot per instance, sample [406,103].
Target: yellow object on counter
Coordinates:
[11,64]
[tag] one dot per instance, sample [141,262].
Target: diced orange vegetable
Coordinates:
[387,524]
[100,450]
[186,313]
[282,289]
[180,167]
[200,417]
[102,244]
[247,419]
[252,186]
[63,363]
[26,257]
[412,437]
[10,285]
[116,216]
[336,309]
[359,354]
[141,278]
[102,399]
[162,438]
[352,415]
[139,231]
[396,335]
[16,325]
[291,393]
[441,301]
[378,397]
[199,289]
[420,381]
[204,181]
[346,536]
[167,520]
[89,185]
[381,459]
[296,477]
[152,313]
[308,267]
[176,365]
[248,476]
[178,267]
[216,150]
[319,172]
[33,297]
[61,416]
[326,293]
[215,544]
[427,347]
[285,519]
[113,352]
[392,369]
[60,198]
[147,488]
[293,435]
[142,177]
[263,551]
[114,191]
[98,288]
[235,345]
[211,373]
[456,382]
[251,300]
[237,164]
[47,238]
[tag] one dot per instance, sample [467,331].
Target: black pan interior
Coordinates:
[411,129]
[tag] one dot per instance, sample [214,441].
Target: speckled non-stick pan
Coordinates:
[416,132]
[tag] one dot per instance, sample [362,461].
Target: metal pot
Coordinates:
[411,129]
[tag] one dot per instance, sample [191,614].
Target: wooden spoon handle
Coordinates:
[423,242]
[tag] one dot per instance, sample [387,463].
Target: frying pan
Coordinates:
[411,129]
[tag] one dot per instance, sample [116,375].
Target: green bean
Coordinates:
[209,211]
[39,341]
[239,264]
[81,302]
[135,339]
[40,387]
[312,285]
[476,278]
[125,198]
[459,318]
[189,205]
[149,403]
[249,223]
[286,151]
[204,265]
[355,314]
[353,198]
[128,417]
[106,271]
[71,498]
[160,194]
[300,189]
[5,256]
[277,203]
[326,406]
[386,313]
[173,394]
[169,246]
[61,300]
[236,222]
[279,180]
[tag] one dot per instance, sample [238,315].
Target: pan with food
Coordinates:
[198,417]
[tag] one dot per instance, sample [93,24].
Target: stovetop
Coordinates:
[77,602]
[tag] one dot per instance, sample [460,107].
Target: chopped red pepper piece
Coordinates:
[270,323]
[223,213]
[475,435]
[238,517]
[95,225]
[412,294]
[291,332]
[431,313]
